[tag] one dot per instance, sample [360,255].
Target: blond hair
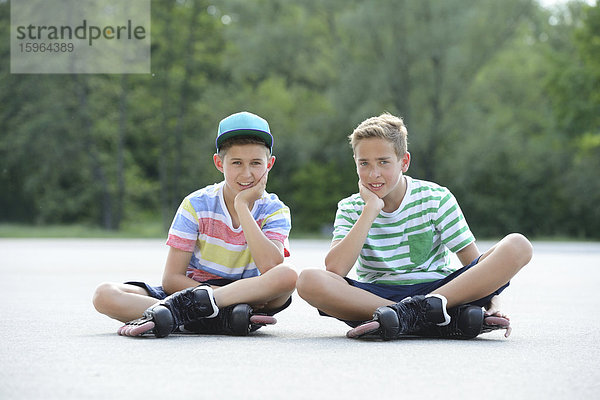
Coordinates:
[386,126]
[241,140]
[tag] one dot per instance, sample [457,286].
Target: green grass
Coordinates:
[154,230]
[142,230]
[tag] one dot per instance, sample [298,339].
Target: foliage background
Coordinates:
[501,100]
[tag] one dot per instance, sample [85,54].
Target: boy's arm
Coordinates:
[344,253]
[468,254]
[265,252]
[174,278]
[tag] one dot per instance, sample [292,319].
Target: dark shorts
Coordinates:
[158,292]
[397,293]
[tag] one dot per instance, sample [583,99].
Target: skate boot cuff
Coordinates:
[211,298]
[444,312]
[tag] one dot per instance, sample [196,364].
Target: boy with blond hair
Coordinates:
[227,247]
[401,230]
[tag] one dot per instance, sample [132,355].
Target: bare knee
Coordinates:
[102,297]
[311,283]
[285,277]
[520,248]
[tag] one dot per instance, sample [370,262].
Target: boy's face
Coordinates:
[243,165]
[378,166]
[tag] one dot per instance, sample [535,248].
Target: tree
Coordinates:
[574,90]
[500,100]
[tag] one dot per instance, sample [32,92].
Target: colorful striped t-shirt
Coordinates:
[409,245]
[203,226]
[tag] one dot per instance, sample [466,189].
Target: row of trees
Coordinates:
[501,100]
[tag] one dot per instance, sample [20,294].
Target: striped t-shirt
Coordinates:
[203,226]
[409,245]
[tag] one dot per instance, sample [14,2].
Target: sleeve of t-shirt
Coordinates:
[452,225]
[184,228]
[345,218]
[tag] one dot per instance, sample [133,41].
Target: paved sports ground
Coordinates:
[53,345]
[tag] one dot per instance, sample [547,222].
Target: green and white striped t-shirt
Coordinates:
[409,245]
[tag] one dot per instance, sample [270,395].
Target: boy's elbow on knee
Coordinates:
[169,284]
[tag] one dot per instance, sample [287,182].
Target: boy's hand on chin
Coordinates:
[370,198]
[248,196]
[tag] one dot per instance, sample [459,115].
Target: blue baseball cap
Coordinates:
[244,124]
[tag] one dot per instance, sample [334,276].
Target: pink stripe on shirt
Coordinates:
[181,243]
[217,229]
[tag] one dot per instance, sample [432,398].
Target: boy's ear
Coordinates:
[405,162]
[218,162]
[270,163]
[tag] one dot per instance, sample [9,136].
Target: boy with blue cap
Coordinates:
[227,247]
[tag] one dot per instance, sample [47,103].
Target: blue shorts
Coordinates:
[397,293]
[158,292]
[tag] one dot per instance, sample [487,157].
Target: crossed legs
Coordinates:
[331,293]
[270,290]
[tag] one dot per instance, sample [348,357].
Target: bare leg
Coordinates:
[121,301]
[269,290]
[331,294]
[495,268]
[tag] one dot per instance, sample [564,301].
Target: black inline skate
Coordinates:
[235,320]
[175,310]
[427,317]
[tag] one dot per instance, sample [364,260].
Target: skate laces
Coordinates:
[411,314]
[185,308]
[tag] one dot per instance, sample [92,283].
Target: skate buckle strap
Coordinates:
[436,310]
[211,298]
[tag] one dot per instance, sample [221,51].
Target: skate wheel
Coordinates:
[492,323]
[496,321]
[362,330]
[136,330]
[262,320]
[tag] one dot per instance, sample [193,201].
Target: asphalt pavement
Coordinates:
[54,345]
